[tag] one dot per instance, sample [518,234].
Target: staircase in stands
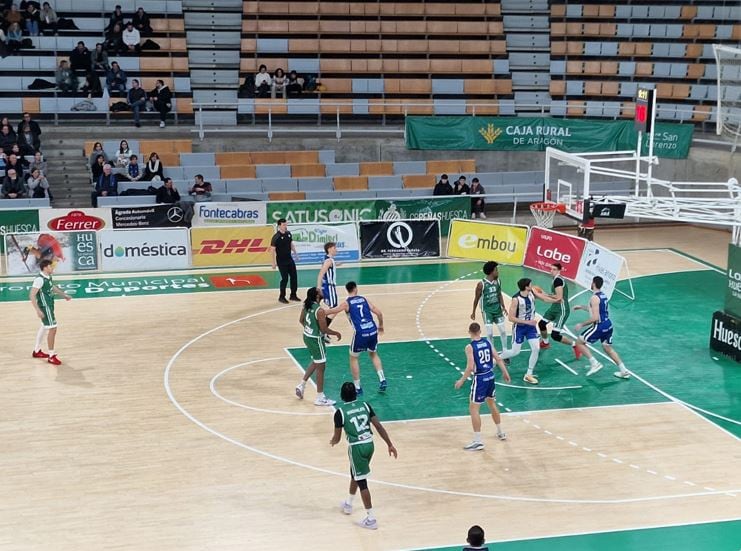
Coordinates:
[67,171]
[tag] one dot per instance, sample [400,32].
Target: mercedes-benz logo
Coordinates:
[399,235]
[175,215]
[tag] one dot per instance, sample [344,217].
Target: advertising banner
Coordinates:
[733,291]
[231,246]
[547,246]
[599,261]
[142,250]
[157,216]
[442,208]
[725,335]
[75,219]
[72,251]
[17,221]
[537,133]
[240,213]
[320,212]
[487,241]
[400,239]
[310,239]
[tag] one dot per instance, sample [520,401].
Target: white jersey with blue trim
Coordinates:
[329,276]
[525,307]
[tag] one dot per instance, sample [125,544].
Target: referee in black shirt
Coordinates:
[283,250]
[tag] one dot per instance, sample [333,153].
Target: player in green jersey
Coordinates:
[493,309]
[558,312]
[314,321]
[356,417]
[42,298]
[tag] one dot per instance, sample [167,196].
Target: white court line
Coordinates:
[343,475]
[573,534]
[215,378]
[562,364]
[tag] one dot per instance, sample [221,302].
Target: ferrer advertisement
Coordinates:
[546,247]
[71,251]
[75,219]
[310,239]
[232,246]
[141,250]
[241,213]
[486,241]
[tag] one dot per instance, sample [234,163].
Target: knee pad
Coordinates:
[556,336]
[363,484]
[542,325]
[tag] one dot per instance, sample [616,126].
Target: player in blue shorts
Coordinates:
[522,315]
[327,281]
[598,328]
[365,339]
[480,358]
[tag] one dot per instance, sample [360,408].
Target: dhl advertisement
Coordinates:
[231,246]
[487,241]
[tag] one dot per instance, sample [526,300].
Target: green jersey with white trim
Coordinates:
[45,296]
[356,418]
[491,294]
[311,323]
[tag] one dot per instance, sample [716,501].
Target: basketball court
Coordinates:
[173,424]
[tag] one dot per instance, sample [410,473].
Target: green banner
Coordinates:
[317,212]
[733,291]
[444,208]
[17,221]
[537,133]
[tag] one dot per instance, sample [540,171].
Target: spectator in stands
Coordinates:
[13,37]
[154,169]
[200,190]
[106,185]
[66,79]
[92,88]
[133,170]
[116,18]
[116,79]
[114,40]
[96,168]
[13,186]
[30,131]
[97,150]
[141,22]
[7,139]
[3,41]
[49,19]
[136,98]
[167,193]
[79,59]
[38,185]
[38,162]
[16,163]
[278,86]
[294,86]
[22,161]
[161,99]
[131,38]
[478,205]
[443,186]
[99,60]
[33,19]
[12,15]
[5,121]
[461,187]
[262,82]
[476,539]
[123,155]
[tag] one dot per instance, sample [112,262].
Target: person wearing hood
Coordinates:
[161,98]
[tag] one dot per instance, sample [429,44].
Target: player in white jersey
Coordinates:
[522,315]
[327,280]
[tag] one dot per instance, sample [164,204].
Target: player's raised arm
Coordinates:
[469,366]
[378,314]
[383,434]
[321,317]
[341,307]
[477,297]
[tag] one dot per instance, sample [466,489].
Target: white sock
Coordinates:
[302,384]
[52,353]
[350,499]
[356,382]
[622,368]
[477,437]
[499,429]
[39,338]
[593,361]
[320,396]
[381,376]
[545,340]
[369,513]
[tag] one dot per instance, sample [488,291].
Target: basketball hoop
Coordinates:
[545,212]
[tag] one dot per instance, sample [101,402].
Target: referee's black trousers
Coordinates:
[286,271]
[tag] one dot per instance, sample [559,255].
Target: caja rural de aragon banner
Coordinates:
[546,247]
[487,241]
[733,291]
[537,133]
[231,245]
[71,251]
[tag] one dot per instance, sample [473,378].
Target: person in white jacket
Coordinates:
[131,38]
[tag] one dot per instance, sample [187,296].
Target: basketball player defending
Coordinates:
[314,321]
[326,280]
[598,328]
[480,358]
[558,312]
[522,316]
[42,298]
[493,310]
[356,417]
[365,339]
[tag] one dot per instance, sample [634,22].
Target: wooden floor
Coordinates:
[126,447]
